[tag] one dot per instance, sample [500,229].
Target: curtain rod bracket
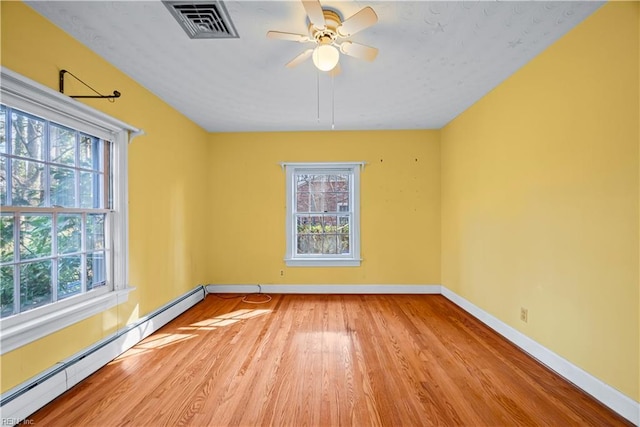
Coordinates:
[61,74]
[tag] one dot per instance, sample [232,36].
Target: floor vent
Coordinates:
[203,20]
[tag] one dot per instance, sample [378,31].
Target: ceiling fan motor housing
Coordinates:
[329,34]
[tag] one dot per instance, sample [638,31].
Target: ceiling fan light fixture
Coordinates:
[325,57]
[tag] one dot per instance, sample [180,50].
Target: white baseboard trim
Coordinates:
[21,401]
[323,289]
[604,393]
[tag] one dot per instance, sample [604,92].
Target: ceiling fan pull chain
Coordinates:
[333,104]
[318,92]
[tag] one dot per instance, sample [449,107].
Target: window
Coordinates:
[55,186]
[323,214]
[63,222]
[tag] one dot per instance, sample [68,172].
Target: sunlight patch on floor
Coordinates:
[161,340]
[225,319]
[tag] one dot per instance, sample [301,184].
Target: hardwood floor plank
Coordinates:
[325,360]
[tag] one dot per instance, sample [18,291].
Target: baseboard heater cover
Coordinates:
[20,402]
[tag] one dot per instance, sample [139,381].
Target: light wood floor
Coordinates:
[325,360]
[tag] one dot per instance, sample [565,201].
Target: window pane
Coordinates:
[35,284]
[317,182]
[91,190]
[69,233]
[27,137]
[69,276]
[317,202]
[3,129]
[35,236]
[91,153]
[330,244]
[343,225]
[343,241]
[309,244]
[63,187]
[315,244]
[6,238]
[3,181]
[6,290]
[96,270]
[302,201]
[303,245]
[62,145]
[27,180]
[342,202]
[302,182]
[339,182]
[309,224]
[330,224]
[95,231]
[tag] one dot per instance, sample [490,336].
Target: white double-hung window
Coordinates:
[63,211]
[323,214]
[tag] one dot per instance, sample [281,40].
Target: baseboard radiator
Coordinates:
[20,402]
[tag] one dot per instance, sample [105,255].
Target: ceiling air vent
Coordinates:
[204,19]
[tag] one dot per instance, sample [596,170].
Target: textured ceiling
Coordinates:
[435,59]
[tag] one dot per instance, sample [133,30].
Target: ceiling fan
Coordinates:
[326,28]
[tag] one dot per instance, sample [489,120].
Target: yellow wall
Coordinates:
[167,181]
[540,198]
[540,191]
[400,206]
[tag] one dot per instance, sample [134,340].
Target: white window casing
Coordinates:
[21,93]
[350,258]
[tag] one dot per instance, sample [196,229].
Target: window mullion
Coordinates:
[9,147]
[16,266]
[9,181]
[58,210]
[77,166]
[47,169]
[83,257]
[54,258]
[108,247]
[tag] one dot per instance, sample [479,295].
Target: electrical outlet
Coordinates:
[281,272]
[524,314]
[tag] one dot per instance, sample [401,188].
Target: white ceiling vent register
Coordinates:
[204,19]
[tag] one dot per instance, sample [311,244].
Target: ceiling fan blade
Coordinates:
[358,50]
[300,38]
[300,58]
[365,18]
[315,13]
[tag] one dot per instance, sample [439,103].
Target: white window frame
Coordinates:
[351,260]
[21,93]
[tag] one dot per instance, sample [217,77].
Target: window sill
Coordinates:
[32,325]
[324,262]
